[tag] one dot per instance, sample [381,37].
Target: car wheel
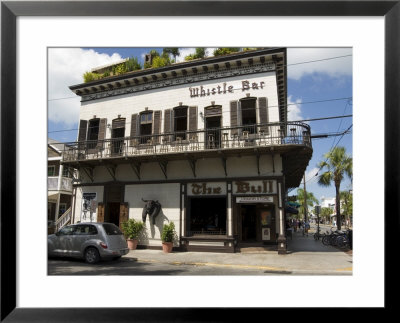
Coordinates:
[92,255]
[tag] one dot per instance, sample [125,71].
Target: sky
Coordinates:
[320,85]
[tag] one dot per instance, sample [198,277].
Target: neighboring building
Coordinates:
[208,139]
[59,187]
[330,202]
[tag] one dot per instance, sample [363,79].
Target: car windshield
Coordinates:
[111,229]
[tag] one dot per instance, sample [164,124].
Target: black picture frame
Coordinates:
[10,10]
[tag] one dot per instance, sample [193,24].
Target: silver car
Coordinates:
[90,241]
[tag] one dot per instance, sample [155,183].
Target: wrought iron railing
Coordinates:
[241,137]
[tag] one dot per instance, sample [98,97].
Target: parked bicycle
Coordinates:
[318,234]
[337,238]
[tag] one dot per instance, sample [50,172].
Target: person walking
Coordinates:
[306,227]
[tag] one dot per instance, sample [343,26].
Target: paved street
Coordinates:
[305,256]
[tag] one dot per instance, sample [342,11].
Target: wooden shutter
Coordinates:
[263,108]
[82,133]
[100,212]
[234,117]
[192,118]
[123,213]
[118,123]
[134,128]
[157,126]
[167,120]
[102,133]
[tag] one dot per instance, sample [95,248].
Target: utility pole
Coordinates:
[305,199]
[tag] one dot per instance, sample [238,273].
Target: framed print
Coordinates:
[230,20]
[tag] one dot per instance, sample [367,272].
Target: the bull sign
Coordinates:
[152,208]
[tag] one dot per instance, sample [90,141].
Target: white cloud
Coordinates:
[310,174]
[294,110]
[337,67]
[191,50]
[66,67]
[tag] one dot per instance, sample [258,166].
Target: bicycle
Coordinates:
[318,234]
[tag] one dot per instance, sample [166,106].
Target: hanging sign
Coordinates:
[254,199]
[210,188]
[254,187]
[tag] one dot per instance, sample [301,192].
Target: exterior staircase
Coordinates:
[64,219]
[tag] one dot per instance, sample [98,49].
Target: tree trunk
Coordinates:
[338,217]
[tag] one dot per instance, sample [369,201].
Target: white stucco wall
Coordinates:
[169,198]
[170,97]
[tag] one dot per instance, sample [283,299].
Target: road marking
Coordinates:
[218,265]
[345,269]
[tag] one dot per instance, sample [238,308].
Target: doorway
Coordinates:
[113,197]
[256,223]
[248,214]
[213,132]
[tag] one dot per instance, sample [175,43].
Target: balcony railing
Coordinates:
[52,183]
[271,134]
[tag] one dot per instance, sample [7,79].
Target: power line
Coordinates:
[305,120]
[294,64]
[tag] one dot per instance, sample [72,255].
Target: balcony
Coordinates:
[53,183]
[287,139]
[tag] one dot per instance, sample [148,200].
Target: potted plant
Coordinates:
[168,235]
[132,229]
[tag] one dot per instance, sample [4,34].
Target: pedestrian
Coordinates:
[306,227]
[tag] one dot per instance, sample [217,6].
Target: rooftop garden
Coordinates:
[167,57]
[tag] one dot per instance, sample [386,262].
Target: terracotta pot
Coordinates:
[132,243]
[167,247]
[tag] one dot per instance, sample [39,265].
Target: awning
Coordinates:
[293,204]
[291,210]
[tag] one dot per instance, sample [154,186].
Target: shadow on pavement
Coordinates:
[300,243]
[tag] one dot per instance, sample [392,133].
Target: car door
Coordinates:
[82,234]
[63,242]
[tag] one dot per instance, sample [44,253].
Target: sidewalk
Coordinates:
[305,256]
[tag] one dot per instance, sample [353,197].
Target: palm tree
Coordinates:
[174,51]
[311,200]
[346,201]
[337,164]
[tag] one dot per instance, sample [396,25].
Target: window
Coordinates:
[86,230]
[180,121]
[67,231]
[248,108]
[111,229]
[93,133]
[51,170]
[146,126]
[67,172]
[62,208]
[207,216]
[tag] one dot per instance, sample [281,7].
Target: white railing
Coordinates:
[52,183]
[64,219]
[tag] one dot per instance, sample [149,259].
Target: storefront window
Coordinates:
[207,216]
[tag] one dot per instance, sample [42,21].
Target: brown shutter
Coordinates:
[167,120]
[82,133]
[123,213]
[100,212]
[157,126]
[102,133]
[234,117]
[263,108]
[118,123]
[134,122]
[192,118]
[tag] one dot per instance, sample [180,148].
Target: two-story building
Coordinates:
[208,139]
[59,187]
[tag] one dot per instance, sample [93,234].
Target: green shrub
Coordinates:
[89,77]
[132,228]
[168,233]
